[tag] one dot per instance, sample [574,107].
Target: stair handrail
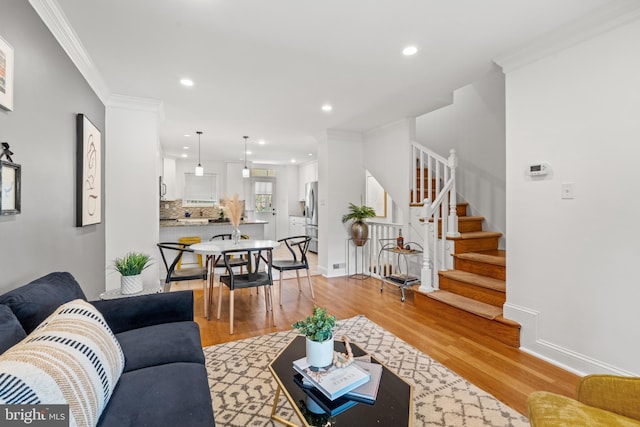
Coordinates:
[442,198]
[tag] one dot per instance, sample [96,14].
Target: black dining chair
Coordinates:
[254,277]
[298,247]
[236,262]
[213,262]
[171,253]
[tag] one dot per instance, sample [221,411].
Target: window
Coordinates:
[200,190]
[263,193]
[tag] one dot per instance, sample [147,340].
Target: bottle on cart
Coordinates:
[400,240]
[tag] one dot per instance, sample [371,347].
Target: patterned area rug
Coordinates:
[243,389]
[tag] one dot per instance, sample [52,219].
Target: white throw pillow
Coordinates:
[72,358]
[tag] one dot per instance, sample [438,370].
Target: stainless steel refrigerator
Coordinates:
[311,214]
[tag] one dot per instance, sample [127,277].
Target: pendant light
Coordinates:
[245,172]
[199,168]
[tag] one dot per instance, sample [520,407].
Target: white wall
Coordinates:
[386,154]
[571,264]
[474,125]
[131,188]
[341,177]
[210,167]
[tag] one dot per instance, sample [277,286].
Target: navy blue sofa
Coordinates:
[164,382]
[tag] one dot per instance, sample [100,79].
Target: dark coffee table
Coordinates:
[393,405]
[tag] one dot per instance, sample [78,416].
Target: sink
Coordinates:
[193,220]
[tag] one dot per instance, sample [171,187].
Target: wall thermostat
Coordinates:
[538,169]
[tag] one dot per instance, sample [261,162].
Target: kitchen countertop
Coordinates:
[175,223]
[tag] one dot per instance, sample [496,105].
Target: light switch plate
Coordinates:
[567,190]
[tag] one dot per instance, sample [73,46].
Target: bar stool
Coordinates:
[186,241]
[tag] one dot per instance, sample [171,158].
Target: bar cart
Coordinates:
[397,272]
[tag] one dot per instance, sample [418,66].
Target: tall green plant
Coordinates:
[318,326]
[132,263]
[358,213]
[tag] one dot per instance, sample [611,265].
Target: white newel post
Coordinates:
[452,229]
[426,276]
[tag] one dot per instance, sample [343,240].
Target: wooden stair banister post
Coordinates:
[452,226]
[426,272]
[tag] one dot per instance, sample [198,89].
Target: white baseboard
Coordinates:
[564,358]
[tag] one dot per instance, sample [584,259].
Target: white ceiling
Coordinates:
[263,68]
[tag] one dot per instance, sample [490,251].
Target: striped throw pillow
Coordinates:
[72,358]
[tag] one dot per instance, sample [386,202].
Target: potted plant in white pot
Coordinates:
[130,267]
[359,229]
[318,328]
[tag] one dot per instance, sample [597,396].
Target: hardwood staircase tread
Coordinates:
[484,258]
[478,308]
[475,279]
[476,235]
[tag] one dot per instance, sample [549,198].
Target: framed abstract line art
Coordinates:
[6,75]
[10,187]
[89,173]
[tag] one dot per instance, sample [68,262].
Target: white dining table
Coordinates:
[213,248]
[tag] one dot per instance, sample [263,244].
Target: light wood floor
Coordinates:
[507,373]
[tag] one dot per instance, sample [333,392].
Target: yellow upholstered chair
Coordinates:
[601,401]
[186,241]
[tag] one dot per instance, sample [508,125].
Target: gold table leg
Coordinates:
[274,409]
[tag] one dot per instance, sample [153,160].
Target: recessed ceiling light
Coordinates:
[185,147]
[187,135]
[409,50]
[326,108]
[248,152]
[310,154]
[186,82]
[262,142]
[185,156]
[293,160]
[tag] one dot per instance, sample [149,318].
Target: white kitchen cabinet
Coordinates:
[301,193]
[296,226]
[306,173]
[169,179]
[313,172]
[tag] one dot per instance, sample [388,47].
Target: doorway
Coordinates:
[264,197]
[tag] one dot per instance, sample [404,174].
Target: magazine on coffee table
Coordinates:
[333,382]
[330,407]
[367,392]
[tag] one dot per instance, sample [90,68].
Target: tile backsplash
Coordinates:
[173,210]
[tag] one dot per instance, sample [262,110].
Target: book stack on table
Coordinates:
[402,278]
[337,389]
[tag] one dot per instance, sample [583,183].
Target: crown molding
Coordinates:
[599,21]
[55,19]
[136,104]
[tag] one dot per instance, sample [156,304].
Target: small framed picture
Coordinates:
[6,75]
[89,173]
[10,187]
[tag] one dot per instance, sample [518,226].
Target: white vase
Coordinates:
[320,354]
[131,284]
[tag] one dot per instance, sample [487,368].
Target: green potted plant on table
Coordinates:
[359,229]
[318,328]
[130,267]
